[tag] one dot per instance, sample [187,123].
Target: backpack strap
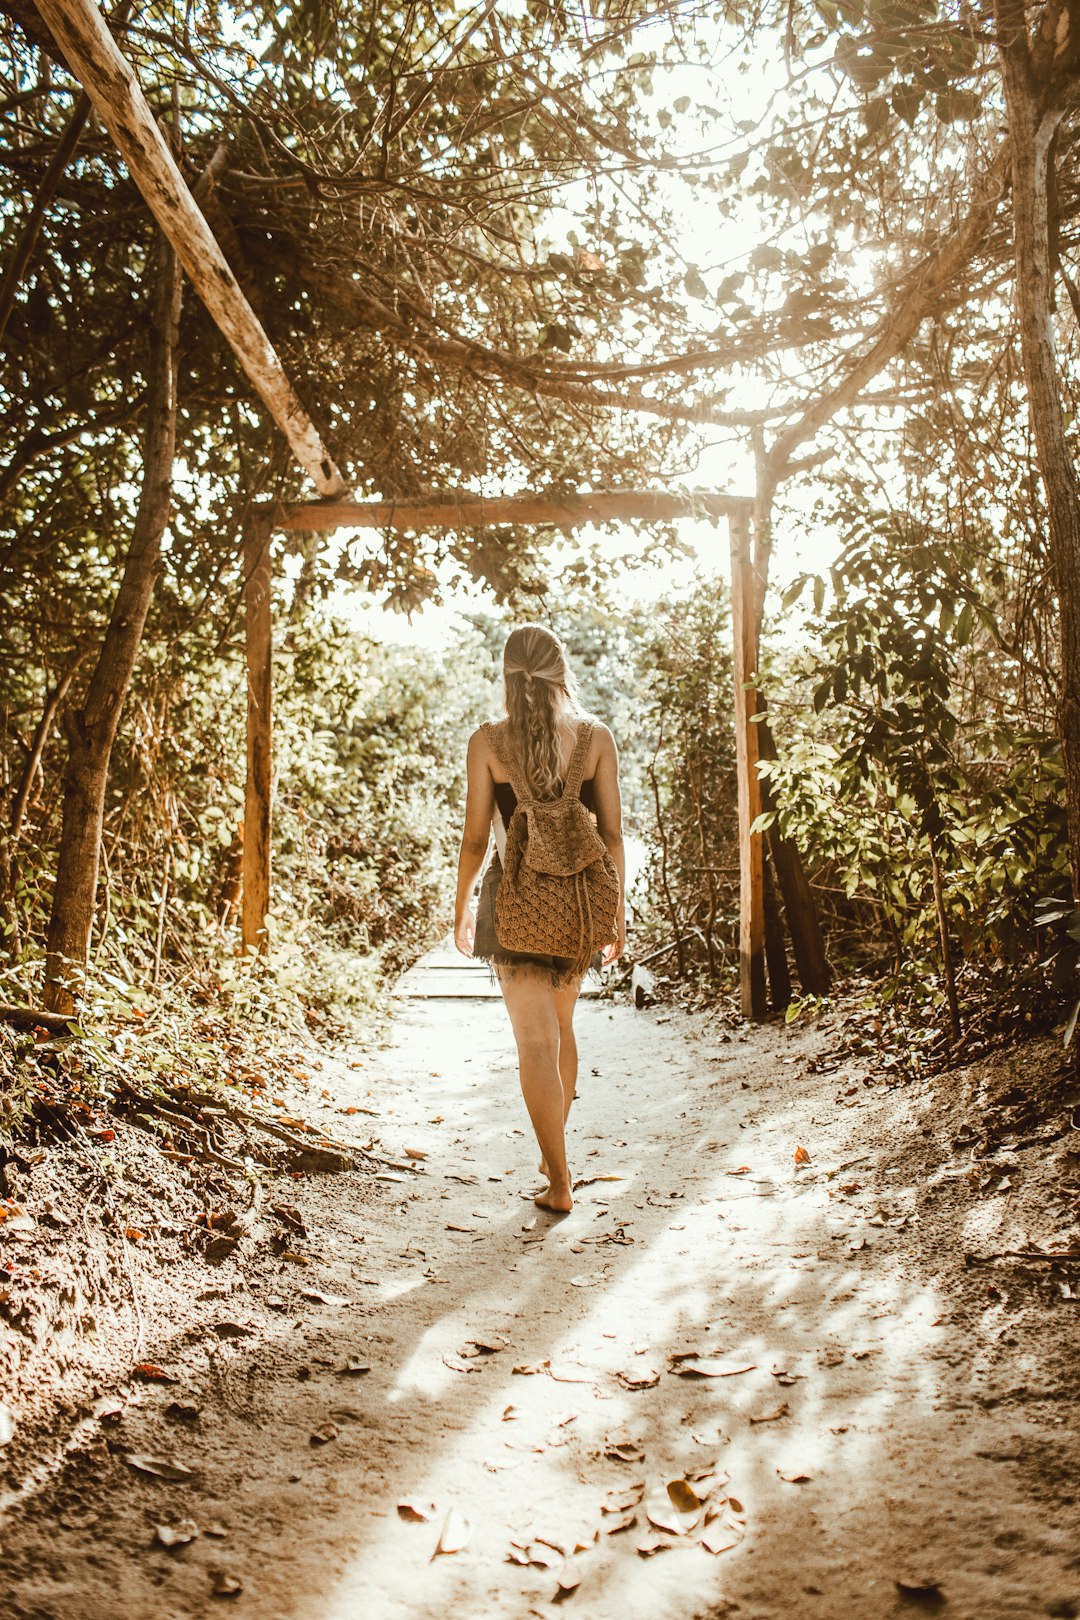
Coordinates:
[576,768]
[497,740]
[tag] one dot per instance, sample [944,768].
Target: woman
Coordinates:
[540,735]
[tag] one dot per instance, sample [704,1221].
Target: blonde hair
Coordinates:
[539,688]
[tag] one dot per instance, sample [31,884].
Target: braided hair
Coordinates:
[539,690]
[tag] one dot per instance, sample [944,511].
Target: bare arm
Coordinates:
[608,803]
[479,805]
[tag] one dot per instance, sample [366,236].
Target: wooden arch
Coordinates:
[83,35]
[565,511]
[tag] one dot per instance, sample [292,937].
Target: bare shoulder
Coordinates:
[603,750]
[480,747]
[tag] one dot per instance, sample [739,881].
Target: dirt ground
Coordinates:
[862,1367]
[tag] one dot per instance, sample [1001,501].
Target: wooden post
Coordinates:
[744,627]
[257,638]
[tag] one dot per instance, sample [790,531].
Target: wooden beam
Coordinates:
[744,623]
[466,511]
[105,74]
[257,805]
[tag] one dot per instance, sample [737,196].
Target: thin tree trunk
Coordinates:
[91,730]
[775,948]
[21,800]
[1035,102]
[948,964]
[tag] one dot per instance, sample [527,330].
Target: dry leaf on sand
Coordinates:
[719,1537]
[710,1367]
[415,1511]
[682,1496]
[774,1416]
[176,1535]
[159,1467]
[454,1534]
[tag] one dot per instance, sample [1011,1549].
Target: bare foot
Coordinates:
[556,1197]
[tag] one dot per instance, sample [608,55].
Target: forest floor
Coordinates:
[864,1367]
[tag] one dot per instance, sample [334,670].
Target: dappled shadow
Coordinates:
[711,1241]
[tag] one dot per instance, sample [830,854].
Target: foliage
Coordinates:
[907,713]
[683,680]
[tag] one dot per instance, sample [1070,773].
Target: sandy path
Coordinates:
[914,1455]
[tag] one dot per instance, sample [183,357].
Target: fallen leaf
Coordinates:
[919,1589]
[621,1521]
[774,1416]
[217,1530]
[416,1153]
[483,1347]
[801,1156]
[159,1467]
[718,1538]
[456,1364]
[653,1544]
[743,1170]
[638,1378]
[183,1411]
[509,1413]
[226,1585]
[568,1577]
[415,1511]
[683,1496]
[618,1500]
[624,1451]
[663,1515]
[133,1234]
[324,1434]
[151,1373]
[452,1226]
[527,1369]
[794,1476]
[592,1279]
[709,1367]
[454,1534]
[324,1299]
[568,1372]
[353,1368]
[176,1535]
[787,1378]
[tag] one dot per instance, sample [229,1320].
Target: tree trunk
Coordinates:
[800,909]
[1034,85]
[91,730]
[258,632]
[775,947]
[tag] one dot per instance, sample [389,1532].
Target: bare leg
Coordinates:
[565,1002]
[530,1001]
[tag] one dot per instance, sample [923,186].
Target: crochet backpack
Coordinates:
[559,890]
